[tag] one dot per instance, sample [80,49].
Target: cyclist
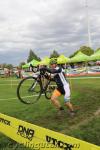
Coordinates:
[62,87]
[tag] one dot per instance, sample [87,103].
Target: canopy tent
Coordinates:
[62,59]
[95,56]
[45,61]
[79,57]
[33,62]
[25,66]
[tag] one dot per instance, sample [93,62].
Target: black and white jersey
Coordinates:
[62,83]
[59,76]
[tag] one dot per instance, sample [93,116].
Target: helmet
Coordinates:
[53,61]
[31,65]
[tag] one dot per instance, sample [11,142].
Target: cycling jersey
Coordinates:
[62,83]
[59,76]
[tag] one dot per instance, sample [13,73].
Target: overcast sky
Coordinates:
[44,25]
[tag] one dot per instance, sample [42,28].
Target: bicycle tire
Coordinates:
[31,95]
[50,88]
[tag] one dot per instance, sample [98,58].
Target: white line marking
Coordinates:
[10,80]
[8,84]
[84,78]
[17,97]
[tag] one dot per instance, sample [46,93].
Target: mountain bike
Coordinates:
[31,88]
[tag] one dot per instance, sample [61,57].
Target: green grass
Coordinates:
[85,93]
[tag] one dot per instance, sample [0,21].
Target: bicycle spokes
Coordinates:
[29,90]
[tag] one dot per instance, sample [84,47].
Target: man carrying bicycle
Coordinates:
[62,87]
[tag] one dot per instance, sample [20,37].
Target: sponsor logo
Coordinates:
[5,121]
[25,132]
[58,143]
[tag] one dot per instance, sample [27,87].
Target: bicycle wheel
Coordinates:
[29,90]
[50,88]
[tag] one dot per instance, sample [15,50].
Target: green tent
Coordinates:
[25,66]
[79,57]
[45,61]
[33,62]
[62,59]
[95,56]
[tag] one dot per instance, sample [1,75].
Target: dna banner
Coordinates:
[36,137]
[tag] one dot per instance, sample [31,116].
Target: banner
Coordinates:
[39,138]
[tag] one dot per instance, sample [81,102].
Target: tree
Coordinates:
[21,64]
[4,65]
[54,54]
[32,56]
[9,66]
[97,49]
[85,50]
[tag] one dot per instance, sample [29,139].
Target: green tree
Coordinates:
[54,54]
[97,49]
[9,66]
[4,65]
[84,49]
[32,56]
[21,64]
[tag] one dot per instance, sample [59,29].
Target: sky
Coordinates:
[46,25]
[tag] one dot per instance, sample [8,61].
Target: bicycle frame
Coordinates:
[44,87]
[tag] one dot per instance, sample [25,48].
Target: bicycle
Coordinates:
[31,88]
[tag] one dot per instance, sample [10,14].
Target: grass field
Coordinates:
[85,93]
